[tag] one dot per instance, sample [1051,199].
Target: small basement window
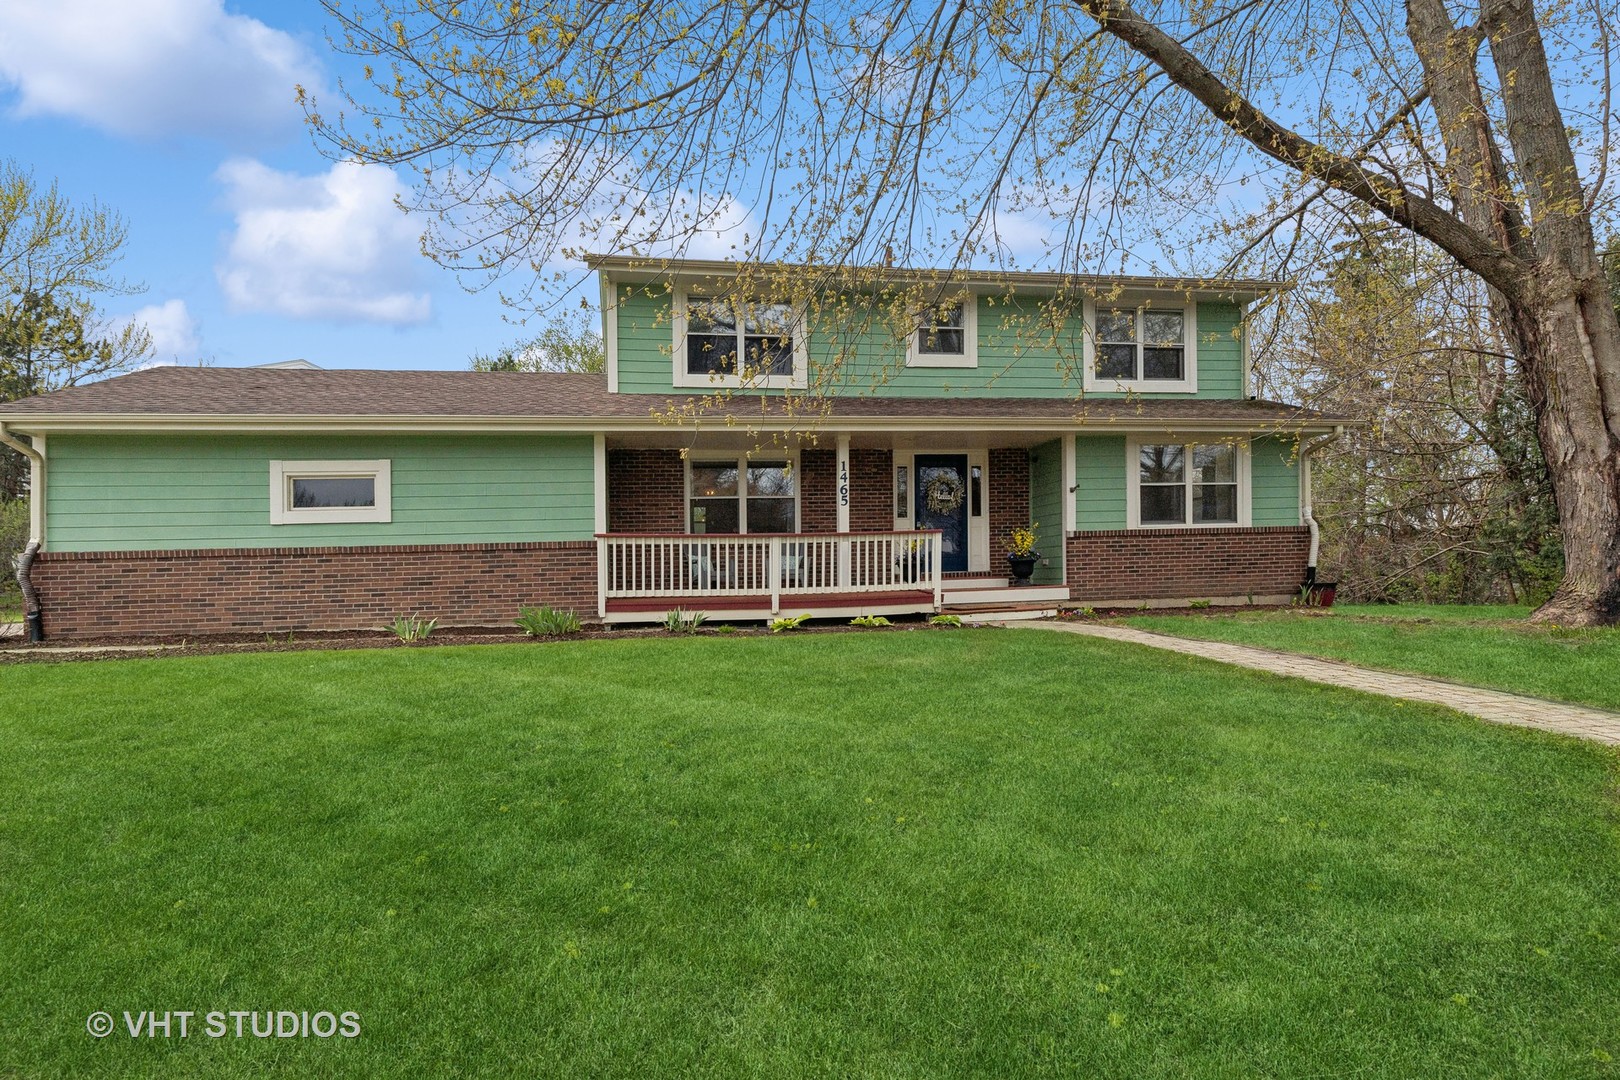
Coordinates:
[329,492]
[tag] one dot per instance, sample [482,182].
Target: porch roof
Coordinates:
[258,398]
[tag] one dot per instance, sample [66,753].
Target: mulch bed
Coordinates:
[16,651]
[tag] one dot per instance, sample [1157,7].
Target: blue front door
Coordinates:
[942,503]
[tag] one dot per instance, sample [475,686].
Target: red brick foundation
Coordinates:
[100,594]
[1186,564]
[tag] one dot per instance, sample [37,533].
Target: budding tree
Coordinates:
[1084,135]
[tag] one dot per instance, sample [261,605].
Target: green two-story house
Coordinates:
[764,441]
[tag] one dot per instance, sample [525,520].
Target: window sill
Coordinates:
[1102,385]
[942,360]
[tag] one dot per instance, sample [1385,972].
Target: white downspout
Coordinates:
[36,529]
[1306,510]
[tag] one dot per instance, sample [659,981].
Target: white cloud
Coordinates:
[330,246]
[173,330]
[153,67]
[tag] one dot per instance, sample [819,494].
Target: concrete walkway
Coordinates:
[1493,705]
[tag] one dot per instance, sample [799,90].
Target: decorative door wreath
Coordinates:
[944,492]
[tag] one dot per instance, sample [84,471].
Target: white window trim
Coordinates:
[684,378]
[282,474]
[1187,384]
[970,340]
[1133,483]
[698,457]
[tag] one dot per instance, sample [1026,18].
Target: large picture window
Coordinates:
[323,492]
[1188,484]
[741,496]
[734,344]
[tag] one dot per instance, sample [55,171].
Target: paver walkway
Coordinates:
[1493,705]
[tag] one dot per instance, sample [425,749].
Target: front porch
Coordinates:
[872,524]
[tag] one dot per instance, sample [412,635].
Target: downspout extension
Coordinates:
[1307,511]
[32,615]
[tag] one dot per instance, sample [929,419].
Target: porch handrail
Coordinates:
[774,565]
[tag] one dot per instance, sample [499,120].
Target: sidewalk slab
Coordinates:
[1496,706]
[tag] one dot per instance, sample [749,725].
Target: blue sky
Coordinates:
[180,115]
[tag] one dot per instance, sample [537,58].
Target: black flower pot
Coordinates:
[1022,567]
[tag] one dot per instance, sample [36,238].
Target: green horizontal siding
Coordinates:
[1099,477]
[1046,508]
[1274,467]
[146,492]
[1220,351]
[853,351]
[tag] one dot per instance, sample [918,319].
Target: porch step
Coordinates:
[1006,594]
[983,613]
[975,581]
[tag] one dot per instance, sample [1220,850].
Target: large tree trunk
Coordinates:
[1564,336]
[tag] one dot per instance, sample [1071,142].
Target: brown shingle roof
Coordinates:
[285,394]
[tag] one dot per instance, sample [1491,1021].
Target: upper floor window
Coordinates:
[1144,349]
[727,343]
[946,335]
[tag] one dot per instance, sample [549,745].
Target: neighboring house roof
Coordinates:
[177,397]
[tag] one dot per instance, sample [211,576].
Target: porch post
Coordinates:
[1068,504]
[601,521]
[843,510]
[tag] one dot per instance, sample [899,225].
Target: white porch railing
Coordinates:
[778,565]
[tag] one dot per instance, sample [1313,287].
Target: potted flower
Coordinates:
[1021,553]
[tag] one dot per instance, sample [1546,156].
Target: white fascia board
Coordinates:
[589,426]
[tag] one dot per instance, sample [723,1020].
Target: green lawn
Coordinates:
[972,853]
[1485,646]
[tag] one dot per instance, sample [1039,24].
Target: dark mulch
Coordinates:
[15,651]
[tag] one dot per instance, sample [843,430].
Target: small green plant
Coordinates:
[547,621]
[725,628]
[870,620]
[1199,605]
[411,628]
[945,620]
[681,621]
[782,626]
[1088,613]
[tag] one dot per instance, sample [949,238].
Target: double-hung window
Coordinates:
[742,496]
[1143,348]
[946,335]
[1188,484]
[728,343]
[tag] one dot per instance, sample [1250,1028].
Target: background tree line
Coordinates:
[1443,497]
[57,265]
